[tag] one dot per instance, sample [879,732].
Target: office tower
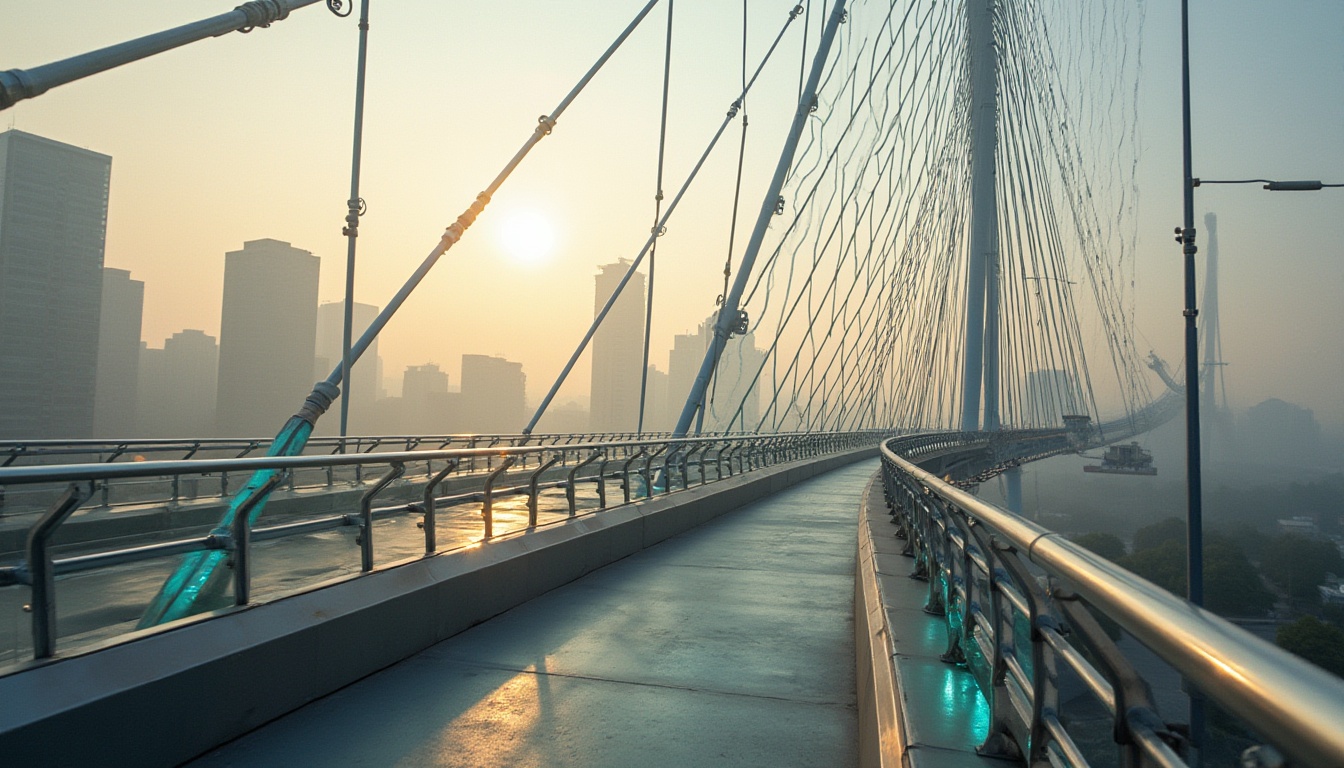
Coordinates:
[53,221]
[618,351]
[118,354]
[733,398]
[656,406]
[267,335]
[427,407]
[177,386]
[492,395]
[1051,395]
[364,374]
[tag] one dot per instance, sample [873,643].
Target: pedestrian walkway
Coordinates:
[731,644]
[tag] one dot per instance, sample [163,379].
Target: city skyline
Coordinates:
[170,239]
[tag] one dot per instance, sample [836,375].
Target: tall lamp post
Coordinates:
[355,209]
[1185,235]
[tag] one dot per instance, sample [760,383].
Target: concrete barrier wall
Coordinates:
[916,710]
[173,693]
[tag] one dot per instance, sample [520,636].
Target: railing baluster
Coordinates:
[366,514]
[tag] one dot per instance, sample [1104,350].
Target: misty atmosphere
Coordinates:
[183,275]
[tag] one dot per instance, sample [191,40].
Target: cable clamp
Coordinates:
[261,13]
[546,124]
[734,107]
[1190,312]
[741,325]
[779,206]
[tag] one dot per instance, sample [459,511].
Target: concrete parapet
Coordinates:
[163,696]
[915,709]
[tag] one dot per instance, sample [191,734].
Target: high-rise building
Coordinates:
[1052,394]
[493,399]
[118,354]
[618,351]
[53,223]
[733,399]
[425,401]
[177,386]
[363,374]
[267,335]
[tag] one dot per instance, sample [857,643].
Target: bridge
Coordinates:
[810,579]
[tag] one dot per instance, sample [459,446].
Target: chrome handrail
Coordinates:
[239,537]
[975,555]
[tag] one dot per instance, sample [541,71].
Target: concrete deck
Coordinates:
[731,644]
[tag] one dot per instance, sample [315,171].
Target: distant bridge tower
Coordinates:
[1213,390]
[981,362]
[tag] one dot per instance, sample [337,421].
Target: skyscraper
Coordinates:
[734,387]
[118,354]
[53,223]
[267,335]
[364,374]
[1051,395]
[177,386]
[492,394]
[426,405]
[618,351]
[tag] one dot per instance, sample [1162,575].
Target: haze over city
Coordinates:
[898,469]
[254,143]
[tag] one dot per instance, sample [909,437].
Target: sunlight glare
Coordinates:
[526,236]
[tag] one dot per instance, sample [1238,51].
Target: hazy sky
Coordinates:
[248,136]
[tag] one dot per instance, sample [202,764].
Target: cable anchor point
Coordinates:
[741,324]
[337,6]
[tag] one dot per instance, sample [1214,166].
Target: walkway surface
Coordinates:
[731,644]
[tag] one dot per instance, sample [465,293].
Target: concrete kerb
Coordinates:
[170,694]
[882,741]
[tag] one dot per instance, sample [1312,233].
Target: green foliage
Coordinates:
[1158,534]
[1232,585]
[1315,641]
[1297,563]
[1163,564]
[1107,545]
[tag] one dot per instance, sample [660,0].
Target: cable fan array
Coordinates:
[859,301]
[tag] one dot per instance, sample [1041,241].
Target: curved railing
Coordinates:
[1016,598]
[197,486]
[468,480]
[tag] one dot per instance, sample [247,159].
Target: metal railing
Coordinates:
[667,465]
[1019,600]
[198,487]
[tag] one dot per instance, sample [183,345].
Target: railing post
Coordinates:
[488,500]
[430,524]
[366,514]
[532,489]
[242,540]
[602,483]
[647,472]
[625,474]
[43,572]
[569,484]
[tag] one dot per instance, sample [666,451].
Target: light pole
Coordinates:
[355,209]
[1186,236]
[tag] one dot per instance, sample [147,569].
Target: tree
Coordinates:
[1232,585]
[1297,563]
[1164,565]
[1107,545]
[1315,641]
[1157,534]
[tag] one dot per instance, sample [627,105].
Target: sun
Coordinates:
[526,236]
